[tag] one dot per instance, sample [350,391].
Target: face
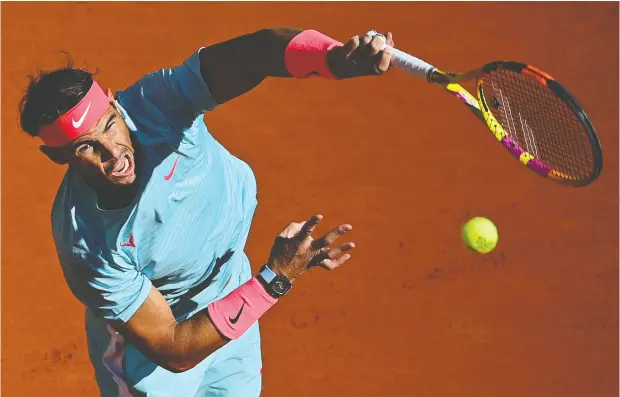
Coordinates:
[104,155]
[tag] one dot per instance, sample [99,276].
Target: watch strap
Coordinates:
[267,274]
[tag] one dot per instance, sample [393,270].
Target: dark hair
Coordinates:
[51,94]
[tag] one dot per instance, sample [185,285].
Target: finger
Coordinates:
[333,253]
[389,39]
[309,225]
[330,237]
[291,230]
[376,45]
[294,228]
[330,254]
[351,45]
[384,62]
[330,264]
[367,39]
[359,53]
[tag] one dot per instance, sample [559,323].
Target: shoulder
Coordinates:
[72,213]
[168,99]
[63,203]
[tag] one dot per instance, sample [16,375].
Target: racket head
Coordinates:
[539,122]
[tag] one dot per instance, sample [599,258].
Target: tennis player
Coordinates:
[152,216]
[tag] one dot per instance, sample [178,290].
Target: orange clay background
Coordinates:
[413,313]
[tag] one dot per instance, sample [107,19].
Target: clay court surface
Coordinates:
[414,313]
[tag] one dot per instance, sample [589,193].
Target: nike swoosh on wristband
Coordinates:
[77,124]
[234,320]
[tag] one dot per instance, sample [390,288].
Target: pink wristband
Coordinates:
[236,312]
[305,55]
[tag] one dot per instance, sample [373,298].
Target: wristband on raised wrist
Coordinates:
[306,55]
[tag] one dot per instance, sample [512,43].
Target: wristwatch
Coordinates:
[276,285]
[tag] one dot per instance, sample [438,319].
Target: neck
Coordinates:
[116,197]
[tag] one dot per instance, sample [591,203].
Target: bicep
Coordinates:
[234,67]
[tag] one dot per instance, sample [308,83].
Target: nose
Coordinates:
[110,149]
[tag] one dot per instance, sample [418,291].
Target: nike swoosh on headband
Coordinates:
[77,124]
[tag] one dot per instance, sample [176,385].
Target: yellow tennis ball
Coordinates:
[480,235]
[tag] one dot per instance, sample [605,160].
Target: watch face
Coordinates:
[280,285]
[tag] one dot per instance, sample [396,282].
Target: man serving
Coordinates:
[152,215]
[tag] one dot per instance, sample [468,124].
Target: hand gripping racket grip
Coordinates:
[403,61]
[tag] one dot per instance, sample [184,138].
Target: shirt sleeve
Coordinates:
[111,288]
[169,100]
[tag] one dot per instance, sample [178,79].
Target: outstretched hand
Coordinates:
[361,56]
[295,251]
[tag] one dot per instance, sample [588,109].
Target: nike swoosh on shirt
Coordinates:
[174,167]
[77,124]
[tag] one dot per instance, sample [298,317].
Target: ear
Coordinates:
[57,155]
[112,100]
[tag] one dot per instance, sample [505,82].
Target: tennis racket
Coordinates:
[529,112]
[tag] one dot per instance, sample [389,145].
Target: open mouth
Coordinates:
[123,167]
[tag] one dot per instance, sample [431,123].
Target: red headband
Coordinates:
[78,120]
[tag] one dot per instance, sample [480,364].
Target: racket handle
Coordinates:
[408,63]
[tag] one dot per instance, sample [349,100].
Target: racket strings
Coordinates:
[584,156]
[539,121]
[555,125]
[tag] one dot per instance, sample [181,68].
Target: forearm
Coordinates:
[175,346]
[191,341]
[179,346]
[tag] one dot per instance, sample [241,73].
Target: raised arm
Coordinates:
[236,66]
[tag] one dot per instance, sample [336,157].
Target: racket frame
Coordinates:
[451,82]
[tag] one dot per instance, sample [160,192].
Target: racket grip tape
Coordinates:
[405,62]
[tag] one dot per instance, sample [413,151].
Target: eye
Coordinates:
[83,148]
